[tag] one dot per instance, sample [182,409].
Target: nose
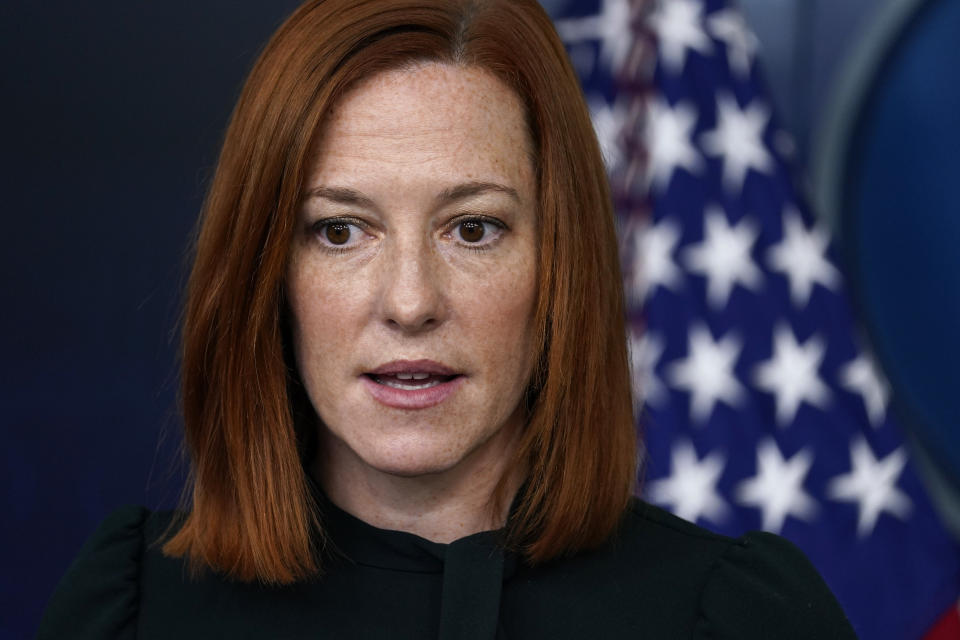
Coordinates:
[412,298]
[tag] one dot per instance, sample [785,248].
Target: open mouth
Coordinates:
[413,384]
[410,381]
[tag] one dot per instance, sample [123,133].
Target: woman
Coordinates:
[405,382]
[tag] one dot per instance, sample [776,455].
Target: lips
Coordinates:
[412,384]
[410,381]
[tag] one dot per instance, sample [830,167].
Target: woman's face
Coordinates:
[413,275]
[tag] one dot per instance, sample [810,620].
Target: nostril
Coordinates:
[416,324]
[411,300]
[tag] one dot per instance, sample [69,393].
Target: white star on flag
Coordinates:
[801,256]
[645,352]
[691,489]
[777,489]
[707,372]
[729,26]
[791,374]
[653,263]
[668,136]
[871,483]
[611,27]
[608,123]
[861,376]
[738,139]
[747,376]
[724,257]
[678,25]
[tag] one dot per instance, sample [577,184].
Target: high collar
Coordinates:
[472,569]
[350,538]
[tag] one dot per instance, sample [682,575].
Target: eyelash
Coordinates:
[479,248]
[316,229]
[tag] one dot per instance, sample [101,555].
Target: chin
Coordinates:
[419,463]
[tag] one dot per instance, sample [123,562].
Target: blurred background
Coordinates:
[113,114]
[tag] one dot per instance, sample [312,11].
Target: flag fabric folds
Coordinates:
[760,404]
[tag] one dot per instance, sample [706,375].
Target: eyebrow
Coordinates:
[345,195]
[468,189]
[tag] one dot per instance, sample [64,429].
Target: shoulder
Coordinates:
[98,597]
[662,577]
[757,585]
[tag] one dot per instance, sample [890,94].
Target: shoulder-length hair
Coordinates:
[248,428]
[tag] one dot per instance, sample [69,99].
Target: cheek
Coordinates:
[498,314]
[322,296]
[325,315]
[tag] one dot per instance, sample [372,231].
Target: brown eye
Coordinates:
[471,231]
[337,233]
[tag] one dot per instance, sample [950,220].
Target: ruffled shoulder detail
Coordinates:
[765,587]
[99,595]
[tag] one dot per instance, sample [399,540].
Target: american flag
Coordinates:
[761,407]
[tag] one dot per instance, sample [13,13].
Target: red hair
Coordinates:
[249,428]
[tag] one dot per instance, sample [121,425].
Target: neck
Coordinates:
[442,506]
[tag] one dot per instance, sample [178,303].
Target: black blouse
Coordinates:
[659,577]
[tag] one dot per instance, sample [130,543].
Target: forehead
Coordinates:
[463,91]
[432,113]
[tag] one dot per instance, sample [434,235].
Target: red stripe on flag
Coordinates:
[947,627]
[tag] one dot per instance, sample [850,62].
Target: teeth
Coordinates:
[412,376]
[396,384]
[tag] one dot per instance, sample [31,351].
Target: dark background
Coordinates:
[113,113]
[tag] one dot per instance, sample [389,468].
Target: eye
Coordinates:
[472,231]
[479,232]
[337,234]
